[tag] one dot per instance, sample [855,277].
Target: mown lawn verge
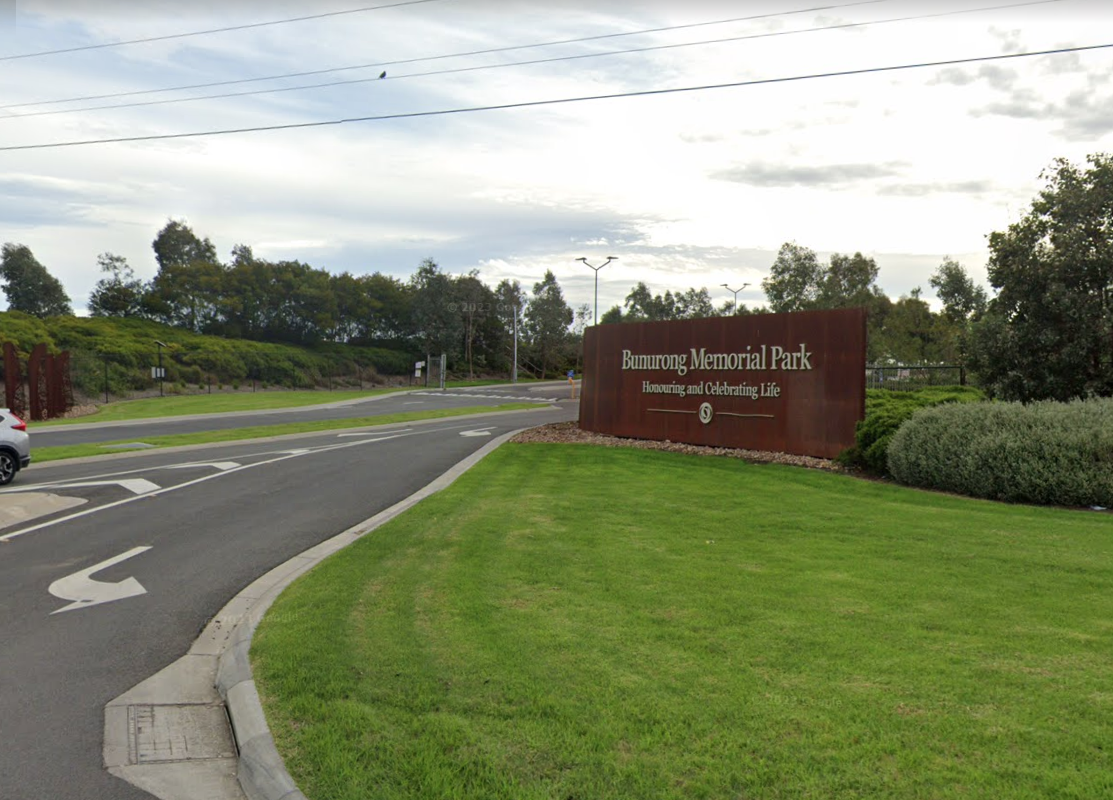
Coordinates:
[606,623]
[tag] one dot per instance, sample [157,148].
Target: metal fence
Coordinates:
[914,376]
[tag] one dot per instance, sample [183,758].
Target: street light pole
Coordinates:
[160,372]
[514,372]
[736,291]
[595,318]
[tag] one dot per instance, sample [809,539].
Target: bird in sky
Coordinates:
[382,74]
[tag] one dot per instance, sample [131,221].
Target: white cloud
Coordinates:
[688,189]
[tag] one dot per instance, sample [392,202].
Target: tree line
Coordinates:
[1047,332]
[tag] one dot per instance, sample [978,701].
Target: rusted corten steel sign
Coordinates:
[791,383]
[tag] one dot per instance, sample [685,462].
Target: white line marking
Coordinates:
[220,465]
[282,456]
[86,592]
[373,433]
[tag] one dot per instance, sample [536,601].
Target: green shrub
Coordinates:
[886,411]
[1047,453]
[129,347]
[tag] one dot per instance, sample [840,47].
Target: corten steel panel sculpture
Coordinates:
[59,393]
[14,396]
[791,383]
[37,373]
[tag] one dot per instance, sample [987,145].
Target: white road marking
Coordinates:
[476,396]
[133,485]
[220,465]
[282,456]
[373,433]
[478,432]
[85,592]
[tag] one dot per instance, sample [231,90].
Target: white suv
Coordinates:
[15,446]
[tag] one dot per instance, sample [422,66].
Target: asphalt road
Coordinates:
[379,405]
[212,521]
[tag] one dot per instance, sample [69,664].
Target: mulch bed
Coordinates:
[570,433]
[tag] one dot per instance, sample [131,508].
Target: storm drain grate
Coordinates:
[159,734]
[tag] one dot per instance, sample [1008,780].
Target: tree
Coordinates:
[176,245]
[962,299]
[911,333]
[1048,334]
[612,315]
[643,306]
[547,319]
[848,282]
[28,286]
[118,295]
[189,287]
[510,301]
[475,302]
[694,304]
[436,318]
[794,280]
[964,302]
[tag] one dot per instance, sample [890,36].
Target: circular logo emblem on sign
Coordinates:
[706,413]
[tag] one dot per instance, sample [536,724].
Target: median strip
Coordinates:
[43,454]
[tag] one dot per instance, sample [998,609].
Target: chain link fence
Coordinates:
[911,377]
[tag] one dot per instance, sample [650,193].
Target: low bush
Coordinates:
[886,411]
[1047,453]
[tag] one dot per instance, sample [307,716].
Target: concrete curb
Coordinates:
[261,771]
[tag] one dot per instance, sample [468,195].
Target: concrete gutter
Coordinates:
[168,735]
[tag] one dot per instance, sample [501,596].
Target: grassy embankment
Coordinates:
[187,405]
[609,623]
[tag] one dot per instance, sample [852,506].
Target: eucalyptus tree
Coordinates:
[28,285]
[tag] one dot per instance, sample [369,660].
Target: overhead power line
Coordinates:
[464,54]
[560,101]
[531,62]
[243,27]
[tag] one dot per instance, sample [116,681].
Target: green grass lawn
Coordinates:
[577,622]
[183,405]
[41,454]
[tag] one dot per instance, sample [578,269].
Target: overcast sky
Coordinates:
[694,188]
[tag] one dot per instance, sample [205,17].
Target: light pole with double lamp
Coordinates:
[595,318]
[736,291]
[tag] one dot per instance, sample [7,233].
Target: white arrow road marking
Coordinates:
[220,465]
[86,592]
[478,432]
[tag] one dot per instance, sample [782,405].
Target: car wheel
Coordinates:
[8,467]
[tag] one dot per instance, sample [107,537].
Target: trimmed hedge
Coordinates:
[886,411]
[1047,453]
